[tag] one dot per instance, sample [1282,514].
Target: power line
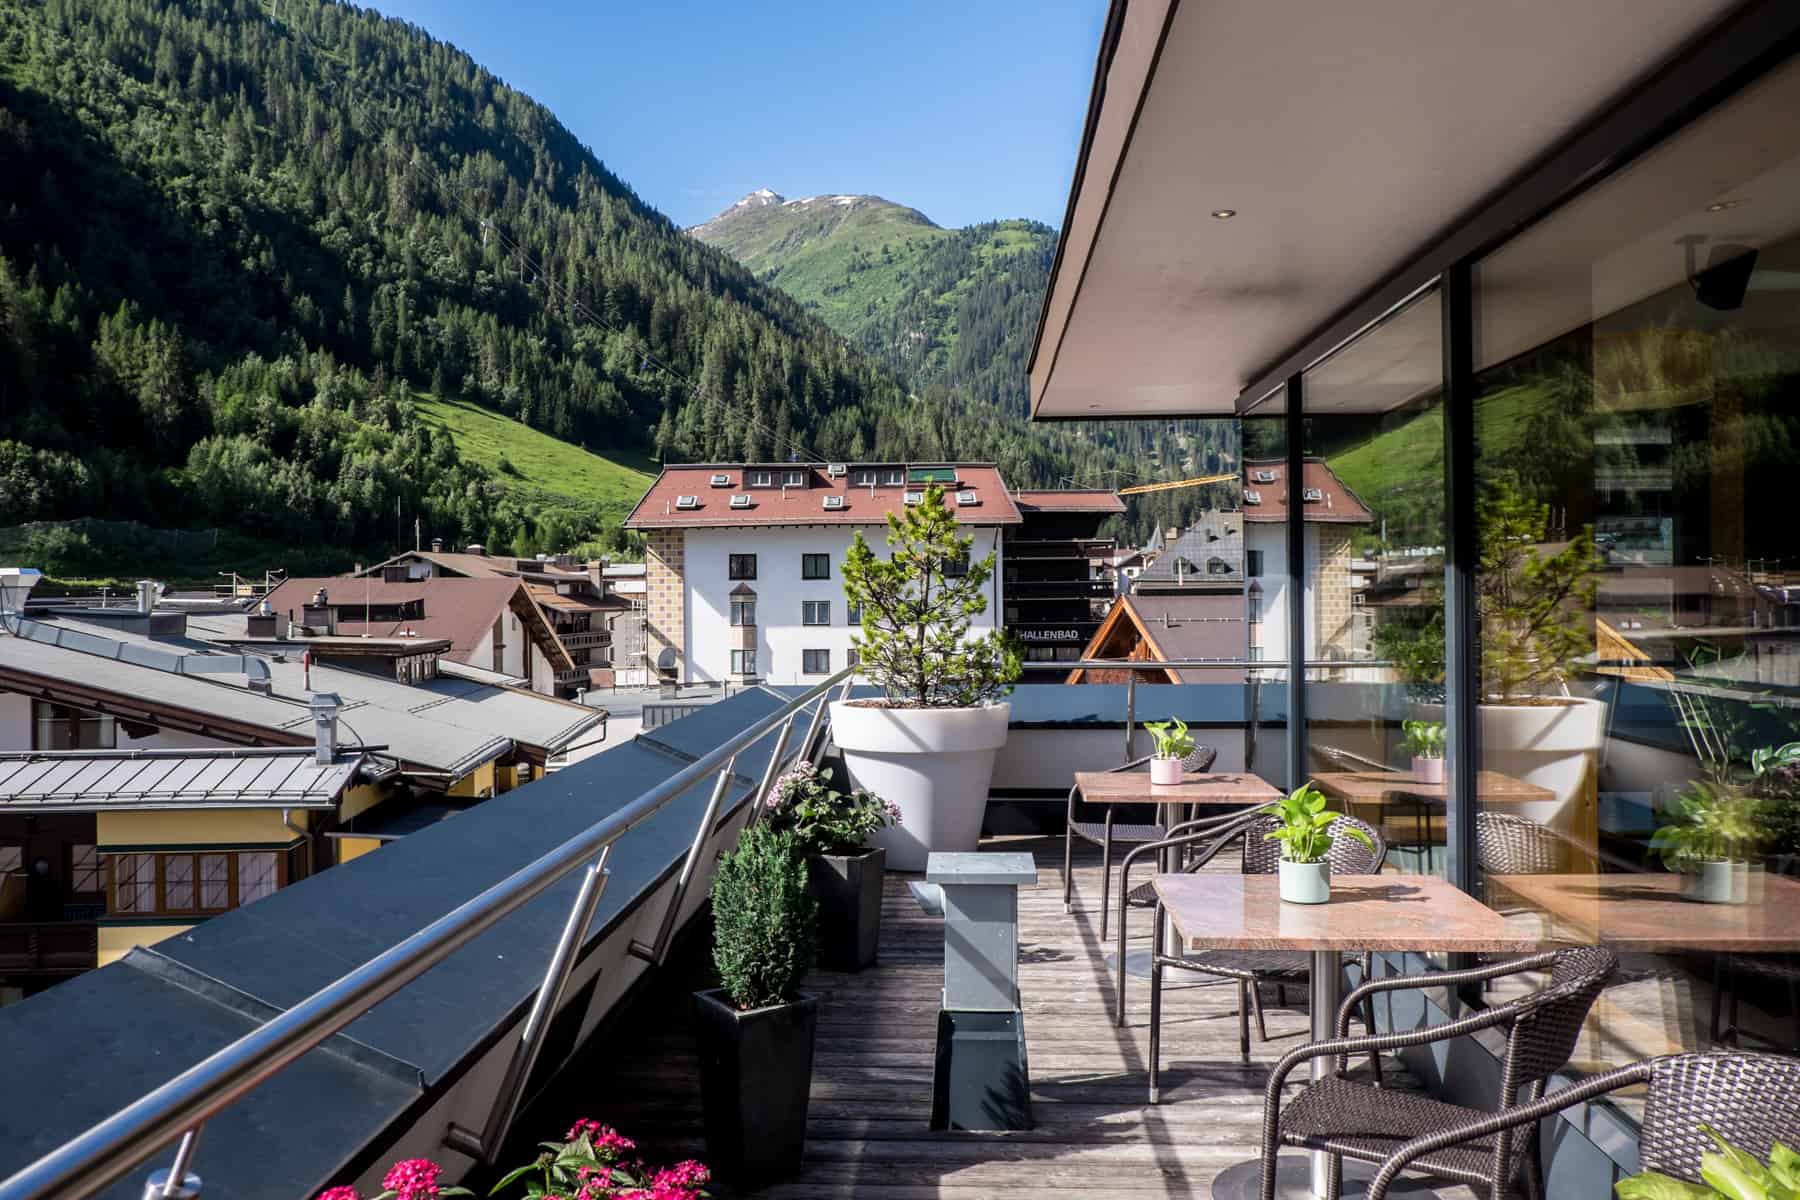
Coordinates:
[417,161]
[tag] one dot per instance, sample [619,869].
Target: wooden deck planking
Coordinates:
[871,1095]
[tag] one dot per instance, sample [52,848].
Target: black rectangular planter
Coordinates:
[755,1078]
[848,889]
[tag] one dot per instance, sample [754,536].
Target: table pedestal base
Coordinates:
[1293,1181]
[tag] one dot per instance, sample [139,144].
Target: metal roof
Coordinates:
[95,781]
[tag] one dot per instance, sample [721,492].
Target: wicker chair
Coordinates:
[1506,844]
[1752,1100]
[1252,968]
[1346,1118]
[1104,833]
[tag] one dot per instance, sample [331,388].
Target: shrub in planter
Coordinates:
[833,829]
[929,743]
[1305,837]
[755,1031]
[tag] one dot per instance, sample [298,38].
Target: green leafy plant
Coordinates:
[917,606]
[764,922]
[1424,739]
[1534,606]
[1714,821]
[1728,1171]
[823,819]
[1304,832]
[1171,737]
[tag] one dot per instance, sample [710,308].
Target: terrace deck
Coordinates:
[871,1096]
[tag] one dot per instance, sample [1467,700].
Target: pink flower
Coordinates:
[683,1180]
[589,1127]
[413,1179]
[893,811]
[340,1193]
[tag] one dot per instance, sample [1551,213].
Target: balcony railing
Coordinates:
[181,1107]
[49,946]
[583,639]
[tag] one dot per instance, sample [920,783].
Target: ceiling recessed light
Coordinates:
[1224,214]
[1722,205]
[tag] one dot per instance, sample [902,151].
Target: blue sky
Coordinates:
[967,111]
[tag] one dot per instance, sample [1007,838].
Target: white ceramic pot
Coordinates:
[935,764]
[1718,882]
[1427,770]
[1165,770]
[1305,883]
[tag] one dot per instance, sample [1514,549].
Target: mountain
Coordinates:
[956,307]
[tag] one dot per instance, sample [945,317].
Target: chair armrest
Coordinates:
[1394,983]
[1343,1047]
[1136,762]
[1505,1119]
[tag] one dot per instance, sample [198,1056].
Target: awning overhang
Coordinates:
[1347,140]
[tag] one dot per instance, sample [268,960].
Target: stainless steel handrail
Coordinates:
[116,1146]
[1141,664]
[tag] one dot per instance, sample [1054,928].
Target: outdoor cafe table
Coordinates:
[1646,913]
[1384,787]
[1232,789]
[1382,913]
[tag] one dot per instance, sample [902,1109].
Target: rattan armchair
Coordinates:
[1508,844]
[1346,1118]
[1751,1100]
[1105,833]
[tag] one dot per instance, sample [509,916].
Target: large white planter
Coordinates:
[1555,746]
[934,763]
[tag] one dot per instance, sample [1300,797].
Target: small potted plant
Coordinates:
[833,829]
[1173,743]
[1305,837]
[928,744]
[755,1032]
[1716,825]
[1425,742]
[1727,1172]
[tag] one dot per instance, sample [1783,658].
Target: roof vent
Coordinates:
[721,481]
[966,500]
[1262,477]
[740,500]
[914,498]
[1252,496]
[1312,495]
[687,502]
[837,470]
[834,502]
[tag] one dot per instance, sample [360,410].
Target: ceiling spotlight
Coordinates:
[1722,205]
[1224,214]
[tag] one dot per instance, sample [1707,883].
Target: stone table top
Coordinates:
[953,868]
[1647,913]
[1381,787]
[1134,787]
[1219,911]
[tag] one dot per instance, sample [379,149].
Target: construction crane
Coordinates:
[1197,481]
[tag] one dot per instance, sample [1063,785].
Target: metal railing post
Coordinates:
[486,1144]
[655,952]
[809,743]
[1130,712]
[770,773]
[177,1183]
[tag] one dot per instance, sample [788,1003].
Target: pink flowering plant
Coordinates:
[823,819]
[597,1162]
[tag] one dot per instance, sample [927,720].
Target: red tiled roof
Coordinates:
[457,609]
[1071,500]
[863,505]
[1268,478]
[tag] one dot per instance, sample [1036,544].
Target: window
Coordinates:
[685,502]
[134,883]
[743,662]
[257,875]
[864,477]
[743,612]
[1262,477]
[1252,496]
[721,481]
[740,566]
[815,612]
[913,498]
[1253,563]
[12,858]
[815,566]
[853,657]
[793,479]
[759,479]
[1253,609]
[893,478]
[834,503]
[1256,654]
[740,500]
[956,568]
[815,662]
[63,727]
[215,881]
[178,882]
[852,613]
[186,884]
[966,499]
[1358,599]
[1312,495]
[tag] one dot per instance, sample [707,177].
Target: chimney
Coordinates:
[437,545]
[262,622]
[478,549]
[319,615]
[325,707]
[146,595]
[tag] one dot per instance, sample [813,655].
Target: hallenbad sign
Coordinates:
[1050,635]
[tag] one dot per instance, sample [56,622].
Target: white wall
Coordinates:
[780,637]
[1271,540]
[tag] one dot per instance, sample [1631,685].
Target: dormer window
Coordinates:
[740,500]
[793,479]
[687,502]
[914,498]
[1262,477]
[759,479]
[834,503]
[721,481]
[836,470]
[1252,496]
[966,500]
[1313,495]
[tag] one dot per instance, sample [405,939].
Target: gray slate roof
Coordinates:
[1214,540]
[93,781]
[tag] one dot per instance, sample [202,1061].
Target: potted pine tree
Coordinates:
[833,829]
[1305,836]
[1425,742]
[755,1031]
[928,743]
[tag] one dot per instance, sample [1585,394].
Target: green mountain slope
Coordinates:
[532,463]
[955,307]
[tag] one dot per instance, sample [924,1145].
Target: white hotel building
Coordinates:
[744,562]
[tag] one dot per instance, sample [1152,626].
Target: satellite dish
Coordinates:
[665,659]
